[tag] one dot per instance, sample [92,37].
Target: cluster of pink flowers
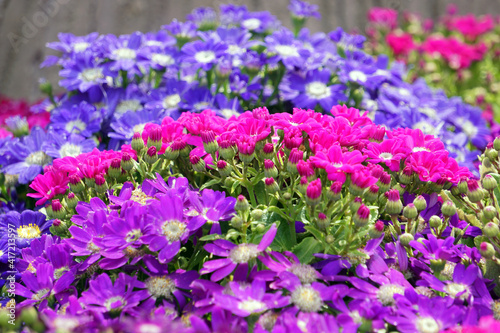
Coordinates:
[346,145]
[457,54]
[13,112]
[383,17]
[471,26]
[401,43]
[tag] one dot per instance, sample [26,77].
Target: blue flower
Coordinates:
[27,226]
[81,119]
[83,72]
[203,54]
[303,9]
[62,145]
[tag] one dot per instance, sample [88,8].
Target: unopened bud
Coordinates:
[256,214]
[137,142]
[496,143]
[405,239]
[435,221]
[489,213]
[487,250]
[489,183]
[448,209]
[376,230]
[197,163]
[241,204]
[237,222]
[127,163]
[490,229]
[362,216]
[323,222]
[71,200]
[271,185]
[420,203]
[209,142]
[474,191]
[492,154]
[394,204]
[101,185]
[410,211]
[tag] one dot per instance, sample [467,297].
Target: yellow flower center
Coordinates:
[29,231]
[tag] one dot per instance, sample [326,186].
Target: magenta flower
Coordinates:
[389,152]
[237,256]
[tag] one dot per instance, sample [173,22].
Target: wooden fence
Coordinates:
[27,25]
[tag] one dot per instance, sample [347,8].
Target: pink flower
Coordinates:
[390,151]
[383,17]
[458,55]
[337,161]
[305,120]
[355,118]
[401,43]
[470,26]
[48,185]
[205,120]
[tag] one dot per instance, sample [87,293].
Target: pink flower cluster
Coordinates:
[457,54]
[347,144]
[11,108]
[401,43]
[486,325]
[471,26]
[384,17]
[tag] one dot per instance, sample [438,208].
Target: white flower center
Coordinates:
[41,294]
[318,90]
[357,76]
[287,50]
[92,247]
[124,54]
[427,325]
[243,253]
[429,112]
[205,57]
[251,23]
[133,235]
[404,92]
[65,324]
[234,49]
[252,306]
[149,328]
[307,299]
[80,46]
[91,74]
[128,105]
[173,230]
[70,149]
[171,101]
[30,231]
[306,273]
[469,129]
[417,149]
[162,59]
[75,125]
[495,307]
[386,293]
[453,289]
[201,105]
[139,128]
[115,303]
[160,286]
[385,156]
[140,197]
[425,127]
[38,158]
[228,113]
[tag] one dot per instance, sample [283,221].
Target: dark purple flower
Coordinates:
[82,119]
[288,262]
[237,256]
[27,226]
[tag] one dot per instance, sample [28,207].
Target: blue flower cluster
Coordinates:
[228,62]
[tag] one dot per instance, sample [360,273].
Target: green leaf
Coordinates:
[278,211]
[305,250]
[260,193]
[210,183]
[282,241]
[235,186]
[316,233]
[257,179]
[210,237]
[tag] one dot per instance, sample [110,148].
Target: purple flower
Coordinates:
[259,22]
[303,9]
[82,73]
[232,14]
[171,227]
[197,99]
[203,54]
[237,256]
[220,321]
[211,207]
[27,226]
[123,53]
[351,317]
[122,100]
[181,30]
[25,157]
[180,185]
[288,262]
[41,286]
[434,249]
[161,284]
[118,298]
[70,44]
[131,122]
[304,322]
[82,119]
[246,300]
[227,108]
[313,89]
[204,17]
[62,145]
[168,97]
[287,49]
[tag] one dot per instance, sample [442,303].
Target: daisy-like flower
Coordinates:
[27,226]
[113,298]
[170,226]
[83,73]
[211,207]
[67,145]
[236,256]
[203,54]
[82,119]
[390,152]
[303,9]
[246,300]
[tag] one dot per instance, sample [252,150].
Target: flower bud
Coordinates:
[270,170]
[226,148]
[197,163]
[362,216]
[268,151]
[71,200]
[101,185]
[405,239]
[294,158]
[474,191]
[355,204]
[489,183]
[76,184]
[256,214]
[323,222]
[490,229]
[489,213]
[114,169]
[371,195]
[89,182]
[435,221]
[154,138]
[271,185]
[260,228]
[287,196]
[455,191]
[303,183]
[242,204]
[384,182]
[209,142]
[151,156]
[496,143]
[127,163]
[59,228]
[223,168]
[420,203]
[487,250]
[313,192]
[406,175]
[410,211]
[394,204]
[462,185]
[376,230]
[173,151]
[329,239]
[492,154]
[246,149]
[334,192]
[57,210]
[448,209]
[137,142]
[236,222]
[486,163]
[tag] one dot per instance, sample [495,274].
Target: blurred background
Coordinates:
[27,25]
